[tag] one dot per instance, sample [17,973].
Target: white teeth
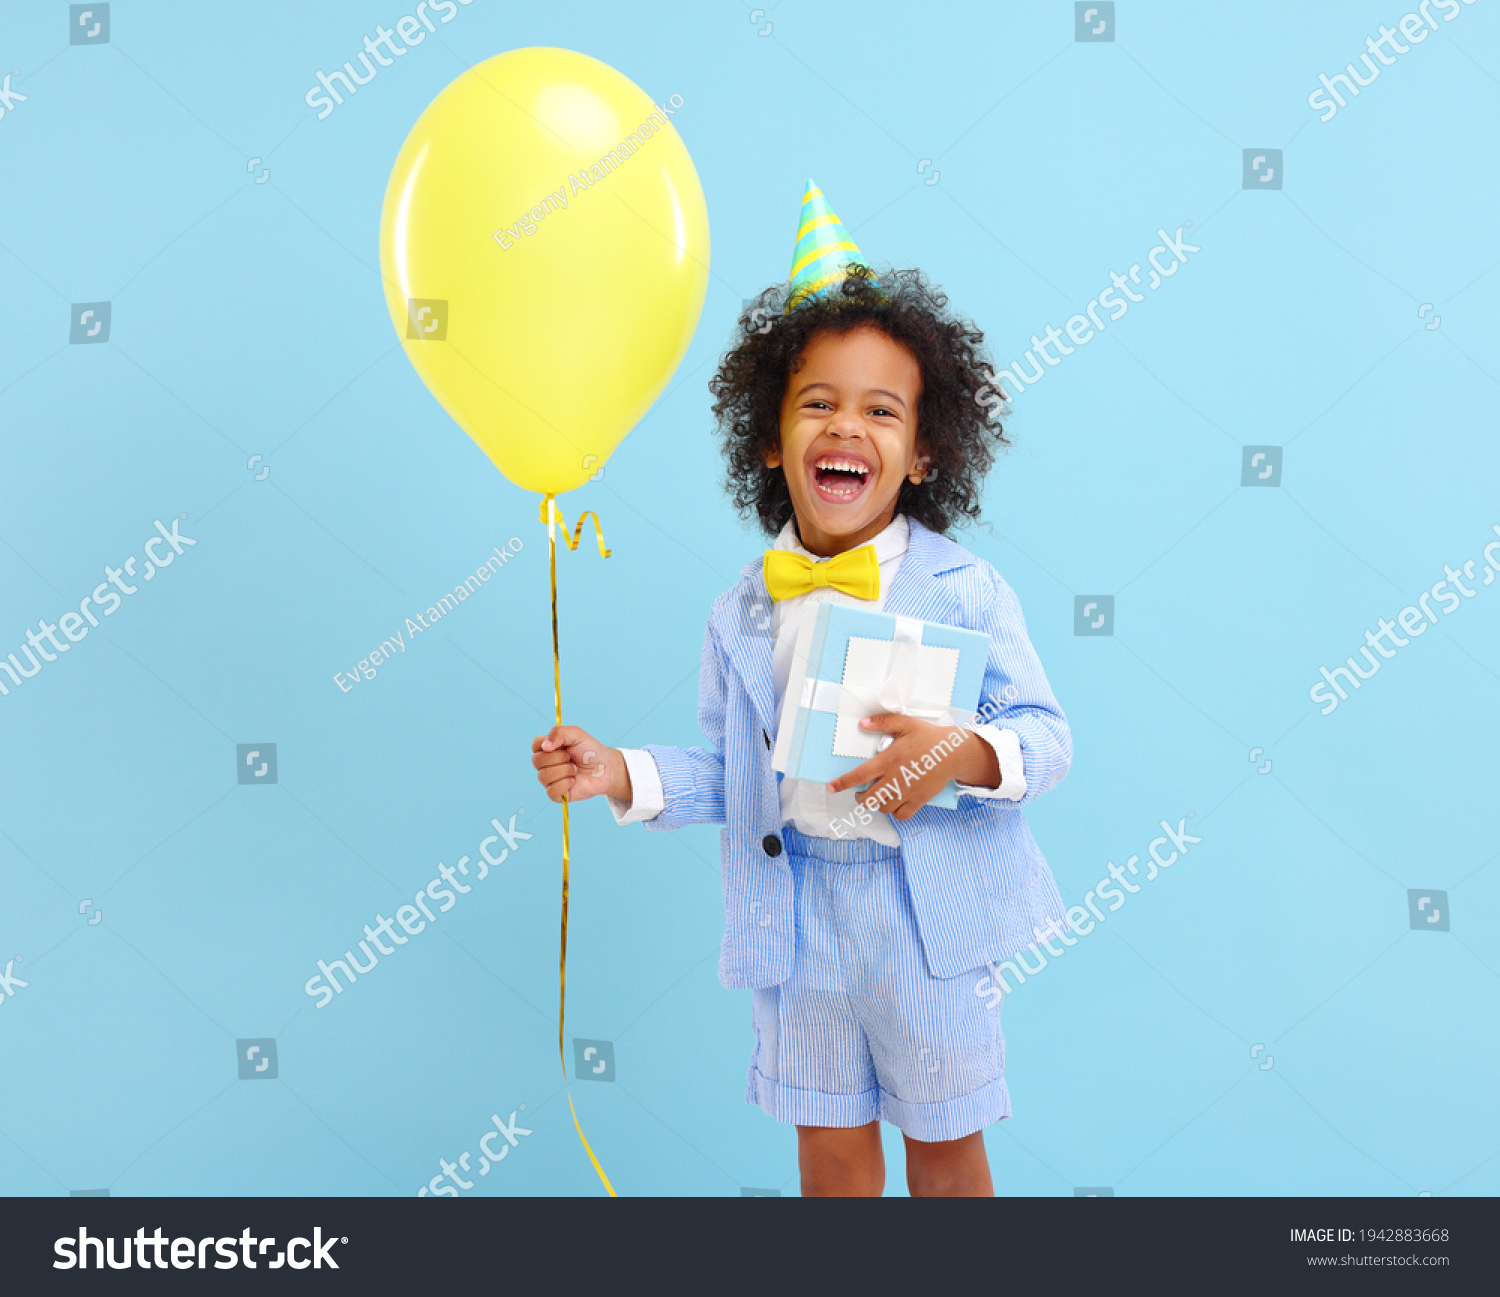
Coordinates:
[841,490]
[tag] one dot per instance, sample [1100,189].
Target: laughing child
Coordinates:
[858,426]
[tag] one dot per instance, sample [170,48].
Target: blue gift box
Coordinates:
[854,662]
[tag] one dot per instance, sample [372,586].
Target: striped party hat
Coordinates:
[824,250]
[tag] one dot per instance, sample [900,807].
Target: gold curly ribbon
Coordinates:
[547,501]
[550,516]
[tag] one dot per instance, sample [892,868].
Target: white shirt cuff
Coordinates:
[647,798]
[1007,748]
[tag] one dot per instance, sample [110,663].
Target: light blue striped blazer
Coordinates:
[978,880]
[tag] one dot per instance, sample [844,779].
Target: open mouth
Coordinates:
[840,478]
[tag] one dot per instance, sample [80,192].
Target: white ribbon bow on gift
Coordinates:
[894,693]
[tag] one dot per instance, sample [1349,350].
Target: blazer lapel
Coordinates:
[914,593]
[745,623]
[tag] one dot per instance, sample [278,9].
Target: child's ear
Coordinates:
[921,466]
[773,457]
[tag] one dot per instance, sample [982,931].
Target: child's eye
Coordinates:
[881,410]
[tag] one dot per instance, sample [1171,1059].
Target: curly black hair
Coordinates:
[957,416]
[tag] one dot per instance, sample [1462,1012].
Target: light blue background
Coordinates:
[247,319]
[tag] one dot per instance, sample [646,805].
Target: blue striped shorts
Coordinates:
[861,1031]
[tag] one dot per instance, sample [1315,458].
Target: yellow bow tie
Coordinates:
[856,572]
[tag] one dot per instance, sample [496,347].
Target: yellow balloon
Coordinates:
[544,247]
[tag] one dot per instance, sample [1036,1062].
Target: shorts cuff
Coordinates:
[930,1123]
[812,1107]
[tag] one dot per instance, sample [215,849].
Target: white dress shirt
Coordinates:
[807,805]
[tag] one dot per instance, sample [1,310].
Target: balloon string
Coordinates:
[549,513]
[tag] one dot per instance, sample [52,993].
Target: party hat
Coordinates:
[824,251]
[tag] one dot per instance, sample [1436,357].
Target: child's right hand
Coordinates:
[570,761]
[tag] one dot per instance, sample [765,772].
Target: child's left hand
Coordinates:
[903,792]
